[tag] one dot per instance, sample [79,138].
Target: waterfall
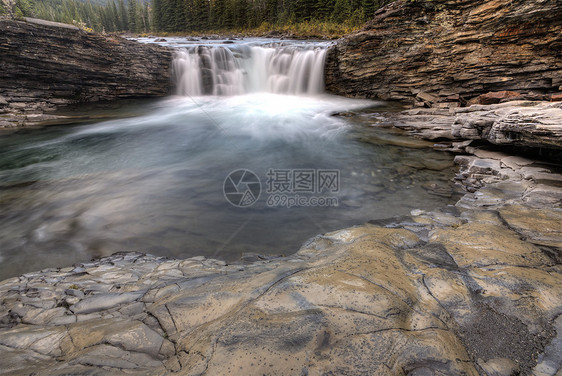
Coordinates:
[220,70]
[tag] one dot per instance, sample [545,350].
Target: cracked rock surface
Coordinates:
[465,290]
[517,123]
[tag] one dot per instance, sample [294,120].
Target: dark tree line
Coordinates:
[133,16]
[142,16]
[201,15]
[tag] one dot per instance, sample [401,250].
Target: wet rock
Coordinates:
[458,290]
[116,358]
[469,247]
[556,97]
[500,367]
[540,226]
[528,124]
[104,301]
[137,337]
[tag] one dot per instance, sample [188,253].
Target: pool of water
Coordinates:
[154,181]
[248,158]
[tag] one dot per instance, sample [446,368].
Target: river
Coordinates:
[246,158]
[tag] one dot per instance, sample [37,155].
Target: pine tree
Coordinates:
[218,13]
[123,19]
[324,9]
[341,12]
[369,7]
[146,18]
[304,10]
[132,16]
[157,15]
[23,8]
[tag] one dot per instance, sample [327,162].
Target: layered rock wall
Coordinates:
[452,51]
[44,65]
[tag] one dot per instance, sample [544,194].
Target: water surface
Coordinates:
[152,180]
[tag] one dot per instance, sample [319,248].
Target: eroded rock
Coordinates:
[442,50]
[47,65]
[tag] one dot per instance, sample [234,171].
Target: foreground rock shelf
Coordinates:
[468,289]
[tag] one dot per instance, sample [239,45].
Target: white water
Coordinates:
[152,178]
[219,70]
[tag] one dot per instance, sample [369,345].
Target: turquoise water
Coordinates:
[153,181]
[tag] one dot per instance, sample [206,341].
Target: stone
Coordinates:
[40,316]
[136,337]
[515,162]
[38,338]
[542,195]
[556,97]
[23,362]
[96,68]
[426,97]
[539,226]
[497,97]
[104,301]
[529,172]
[551,361]
[484,166]
[499,367]
[476,245]
[519,123]
[467,48]
[116,358]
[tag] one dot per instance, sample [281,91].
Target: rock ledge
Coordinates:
[46,65]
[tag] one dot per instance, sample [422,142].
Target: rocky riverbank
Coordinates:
[469,289]
[523,125]
[47,65]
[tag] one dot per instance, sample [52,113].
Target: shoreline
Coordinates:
[472,288]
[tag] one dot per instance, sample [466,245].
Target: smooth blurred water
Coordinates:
[242,69]
[154,182]
[151,179]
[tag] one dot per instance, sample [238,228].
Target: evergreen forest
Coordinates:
[185,16]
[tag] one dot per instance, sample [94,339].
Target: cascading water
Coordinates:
[218,70]
[155,182]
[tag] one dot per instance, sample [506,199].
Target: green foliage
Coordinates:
[307,17]
[23,8]
[342,11]
[123,17]
[202,15]
[98,15]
